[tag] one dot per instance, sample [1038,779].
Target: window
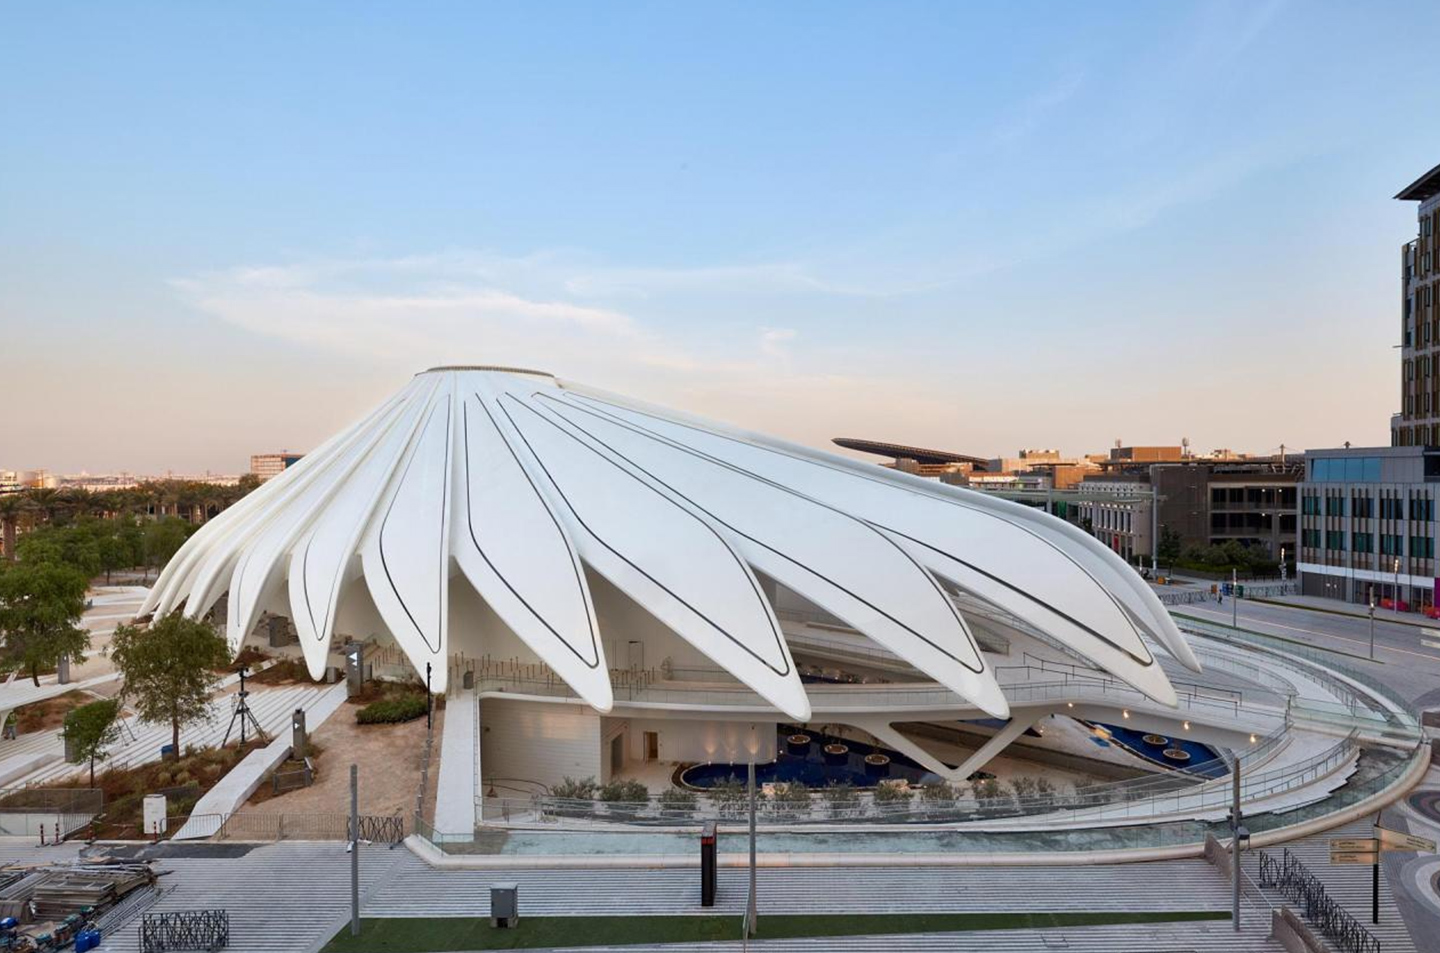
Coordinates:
[1422,509]
[1334,506]
[1392,545]
[1346,469]
[1422,547]
[1310,505]
[1334,539]
[1362,542]
[1311,538]
[1362,507]
[1392,508]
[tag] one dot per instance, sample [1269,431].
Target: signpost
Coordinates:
[1346,851]
[1397,840]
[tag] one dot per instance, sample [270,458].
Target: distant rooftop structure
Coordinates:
[918,454]
[269,465]
[1423,188]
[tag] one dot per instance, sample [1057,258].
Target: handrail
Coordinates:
[1132,802]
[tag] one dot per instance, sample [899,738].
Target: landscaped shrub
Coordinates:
[841,798]
[892,793]
[937,797]
[571,789]
[994,797]
[627,791]
[678,802]
[392,710]
[791,799]
[729,796]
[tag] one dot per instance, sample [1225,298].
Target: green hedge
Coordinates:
[389,711]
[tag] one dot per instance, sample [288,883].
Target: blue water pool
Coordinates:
[1197,759]
[812,766]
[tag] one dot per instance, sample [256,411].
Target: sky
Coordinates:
[233,228]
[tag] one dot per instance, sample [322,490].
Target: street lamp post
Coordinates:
[1397,584]
[1372,623]
[1234,600]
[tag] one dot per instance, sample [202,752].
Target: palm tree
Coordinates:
[13,507]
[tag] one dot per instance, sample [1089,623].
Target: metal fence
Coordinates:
[1301,887]
[375,828]
[185,930]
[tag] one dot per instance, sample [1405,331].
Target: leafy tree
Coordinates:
[91,729]
[162,539]
[169,669]
[40,604]
[1168,549]
[113,553]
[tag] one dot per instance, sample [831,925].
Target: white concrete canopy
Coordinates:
[516,485]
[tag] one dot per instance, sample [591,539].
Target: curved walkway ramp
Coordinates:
[236,787]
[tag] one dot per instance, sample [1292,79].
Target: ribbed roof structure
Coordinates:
[520,485]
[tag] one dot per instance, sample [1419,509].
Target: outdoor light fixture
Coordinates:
[1125,713]
[1252,739]
[1187,725]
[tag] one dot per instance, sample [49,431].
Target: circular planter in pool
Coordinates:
[837,754]
[1176,754]
[876,763]
[1158,741]
[798,743]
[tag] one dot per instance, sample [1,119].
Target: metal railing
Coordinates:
[937,804]
[1298,885]
[376,828]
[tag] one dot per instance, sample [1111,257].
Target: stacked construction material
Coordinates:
[55,891]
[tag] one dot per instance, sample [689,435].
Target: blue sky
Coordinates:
[227,228]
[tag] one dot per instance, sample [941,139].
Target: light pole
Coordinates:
[1396,605]
[1237,833]
[1372,623]
[1234,599]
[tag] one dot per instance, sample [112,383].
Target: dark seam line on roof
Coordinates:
[924,572]
[470,525]
[749,575]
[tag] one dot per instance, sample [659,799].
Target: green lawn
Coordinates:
[422,935]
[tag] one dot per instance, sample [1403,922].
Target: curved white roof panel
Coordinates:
[518,485]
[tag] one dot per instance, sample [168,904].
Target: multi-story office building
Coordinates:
[1367,524]
[1418,422]
[1203,501]
[267,465]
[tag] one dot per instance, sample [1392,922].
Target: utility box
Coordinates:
[153,810]
[707,864]
[354,668]
[504,905]
[299,738]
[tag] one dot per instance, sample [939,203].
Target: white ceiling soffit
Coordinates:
[514,551]
[840,563]
[322,557]
[406,551]
[1074,593]
[663,553]
[524,483]
[258,574]
[216,564]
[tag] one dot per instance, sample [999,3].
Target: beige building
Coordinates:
[267,465]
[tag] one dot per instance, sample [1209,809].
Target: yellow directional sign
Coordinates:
[1339,858]
[1395,840]
[1353,845]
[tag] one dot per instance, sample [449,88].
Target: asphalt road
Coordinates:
[1402,659]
